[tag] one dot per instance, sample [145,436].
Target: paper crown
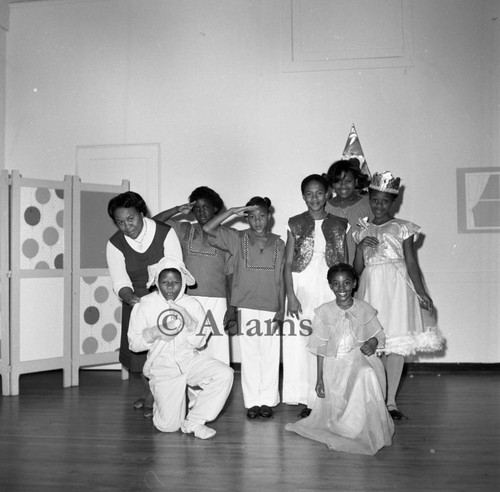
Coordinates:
[353,149]
[385,182]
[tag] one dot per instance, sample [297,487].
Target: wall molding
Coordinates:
[321,35]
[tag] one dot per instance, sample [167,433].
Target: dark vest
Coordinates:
[136,263]
[302,229]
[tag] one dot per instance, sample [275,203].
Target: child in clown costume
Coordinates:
[171,326]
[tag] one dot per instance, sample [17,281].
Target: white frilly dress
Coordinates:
[386,285]
[352,417]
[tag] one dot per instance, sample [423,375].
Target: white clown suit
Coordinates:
[174,362]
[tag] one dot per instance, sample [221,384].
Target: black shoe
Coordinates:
[253,412]
[305,413]
[139,403]
[148,412]
[396,414]
[266,412]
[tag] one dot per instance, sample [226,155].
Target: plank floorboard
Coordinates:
[89,438]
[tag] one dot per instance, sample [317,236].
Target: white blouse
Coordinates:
[116,260]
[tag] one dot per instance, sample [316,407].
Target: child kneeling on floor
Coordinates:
[171,326]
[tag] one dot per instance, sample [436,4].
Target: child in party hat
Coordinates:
[348,178]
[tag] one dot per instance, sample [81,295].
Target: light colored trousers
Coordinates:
[260,358]
[168,385]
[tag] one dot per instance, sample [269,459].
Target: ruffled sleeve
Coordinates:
[408,229]
[318,340]
[365,323]
[326,330]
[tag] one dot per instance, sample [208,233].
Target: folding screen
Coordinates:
[57,306]
[96,309]
[40,283]
[4,283]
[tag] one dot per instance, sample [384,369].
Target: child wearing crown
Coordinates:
[391,281]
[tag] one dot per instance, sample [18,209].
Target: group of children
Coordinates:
[334,327]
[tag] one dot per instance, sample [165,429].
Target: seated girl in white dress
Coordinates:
[350,413]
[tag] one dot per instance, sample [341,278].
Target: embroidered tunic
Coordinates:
[207,264]
[257,273]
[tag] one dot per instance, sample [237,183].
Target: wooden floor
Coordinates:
[89,438]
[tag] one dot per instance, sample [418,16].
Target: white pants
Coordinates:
[299,365]
[218,343]
[168,385]
[260,358]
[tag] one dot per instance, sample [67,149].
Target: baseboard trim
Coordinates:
[431,367]
[451,367]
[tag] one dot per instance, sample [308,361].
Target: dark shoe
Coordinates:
[396,414]
[305,413]
[148,412]
[266,412]
[253,412]
[139,403]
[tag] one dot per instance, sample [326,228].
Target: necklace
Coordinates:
[143,232]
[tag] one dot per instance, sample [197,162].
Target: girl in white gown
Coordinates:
[350,413]
[391,281]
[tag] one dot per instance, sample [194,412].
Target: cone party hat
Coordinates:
[353,149]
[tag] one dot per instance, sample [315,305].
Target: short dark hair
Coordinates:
[341,268]
[352,165]
[208,194]
[261,202]
[129,199]
[314,177]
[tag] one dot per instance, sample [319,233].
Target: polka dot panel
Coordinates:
[99,328]
[41,228]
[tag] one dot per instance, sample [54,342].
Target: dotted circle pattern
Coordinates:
[100,316]
[42,230]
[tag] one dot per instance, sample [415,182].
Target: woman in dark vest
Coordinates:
[138,243]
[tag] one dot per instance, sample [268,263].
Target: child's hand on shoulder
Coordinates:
[320,388]
[134,300]
[369,347]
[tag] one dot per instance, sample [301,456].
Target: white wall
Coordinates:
[4,27]
[204,79]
